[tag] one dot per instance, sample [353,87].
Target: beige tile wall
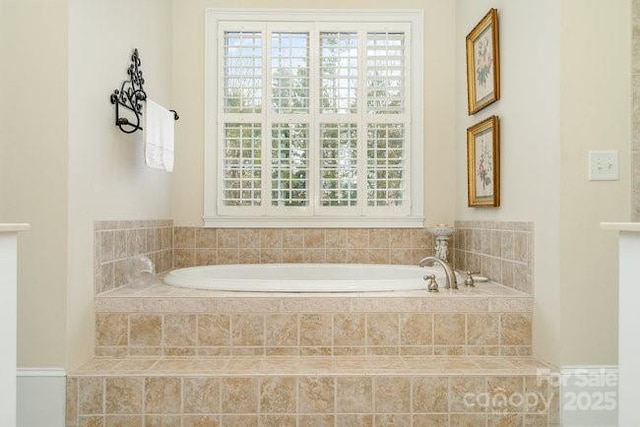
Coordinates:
[207,246]
[503,251]
[321,399]
[115,242]
[313,334]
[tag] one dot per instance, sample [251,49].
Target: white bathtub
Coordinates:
[304,277]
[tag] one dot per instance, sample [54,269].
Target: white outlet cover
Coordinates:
[604,166]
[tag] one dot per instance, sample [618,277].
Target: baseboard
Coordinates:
[40,372]
[41,397]
[589,395]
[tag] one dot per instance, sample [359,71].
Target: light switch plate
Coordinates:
[604,166]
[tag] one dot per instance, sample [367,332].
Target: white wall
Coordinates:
[439,99]
[62,162]
[107,175]
[596,115]
[33,168]
[565,90]
[529,140]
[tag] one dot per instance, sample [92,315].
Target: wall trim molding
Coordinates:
[578,370]
[589,367]
[41,397]
[41,372]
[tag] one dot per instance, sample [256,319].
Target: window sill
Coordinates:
[316,222]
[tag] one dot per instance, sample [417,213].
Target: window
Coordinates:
[313,118]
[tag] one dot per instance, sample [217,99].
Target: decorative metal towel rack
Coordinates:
[130,96]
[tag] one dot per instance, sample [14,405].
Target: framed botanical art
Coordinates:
[483,63]
[483,163]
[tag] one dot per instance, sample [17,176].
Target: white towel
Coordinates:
[158,131]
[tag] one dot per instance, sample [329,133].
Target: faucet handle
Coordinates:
[432,284]
[469,280]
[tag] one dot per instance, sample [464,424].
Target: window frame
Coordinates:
[216,20]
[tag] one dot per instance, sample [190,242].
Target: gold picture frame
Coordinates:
[483,63]
[483,163]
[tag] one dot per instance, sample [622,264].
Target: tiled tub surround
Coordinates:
[166,321]
[503,251]
[208,246]
[184,357]
[169,356]
[115,242]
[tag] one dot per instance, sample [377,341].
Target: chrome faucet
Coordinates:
[450,275]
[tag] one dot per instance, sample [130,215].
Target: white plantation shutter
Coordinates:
[290,72]
[339,164]
[242,164]
[388,122]
[339,72]
[386,185]
[290,164]
[313,120]
[386,65]
[242,72]
[288,119]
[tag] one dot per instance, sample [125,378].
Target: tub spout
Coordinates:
[450,275]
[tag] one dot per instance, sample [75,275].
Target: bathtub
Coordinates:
[304,277]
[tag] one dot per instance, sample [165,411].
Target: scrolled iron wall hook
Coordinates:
[130,96]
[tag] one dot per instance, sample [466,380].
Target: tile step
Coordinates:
[312,392]
[336,366]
